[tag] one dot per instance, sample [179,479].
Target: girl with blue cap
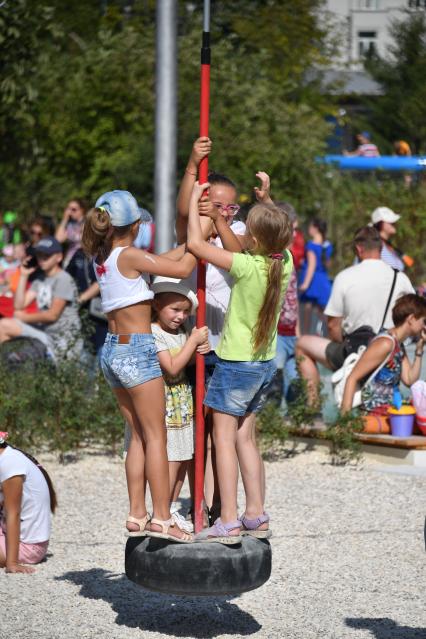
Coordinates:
[129,357]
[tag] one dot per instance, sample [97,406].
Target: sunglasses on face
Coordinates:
[36,233]
[230,209]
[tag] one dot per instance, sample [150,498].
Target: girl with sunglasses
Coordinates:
[247,347]
[223,194]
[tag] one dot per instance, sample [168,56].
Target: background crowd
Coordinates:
[43,261]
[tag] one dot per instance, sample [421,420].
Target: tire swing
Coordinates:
[199,569]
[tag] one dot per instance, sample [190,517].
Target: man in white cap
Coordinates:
[384,219]
[360,305]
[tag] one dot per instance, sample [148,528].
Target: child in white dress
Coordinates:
[174,301]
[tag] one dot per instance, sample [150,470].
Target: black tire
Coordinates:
[198,569]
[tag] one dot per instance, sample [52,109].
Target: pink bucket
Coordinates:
[421,423]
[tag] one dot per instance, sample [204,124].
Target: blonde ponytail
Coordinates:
[268,312]
[272,229]
[97,230]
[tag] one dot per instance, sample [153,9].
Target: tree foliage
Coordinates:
[400,113]
[77,106]
[78,99]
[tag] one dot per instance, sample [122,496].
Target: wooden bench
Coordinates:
[417,442]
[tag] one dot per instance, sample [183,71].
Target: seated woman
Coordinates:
[387,348]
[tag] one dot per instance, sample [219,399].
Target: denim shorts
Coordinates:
[237,388]
[128,365]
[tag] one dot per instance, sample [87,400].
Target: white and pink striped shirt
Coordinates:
[368,150]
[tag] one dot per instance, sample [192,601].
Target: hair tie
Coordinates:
[276,256]
[103,209]
[3,437]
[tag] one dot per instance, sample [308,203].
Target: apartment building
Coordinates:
[363,26]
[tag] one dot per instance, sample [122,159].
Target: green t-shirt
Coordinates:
[250,273]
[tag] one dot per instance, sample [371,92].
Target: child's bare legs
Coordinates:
[177,472]
[208,473]
[251,466]
[211,486]
[263,480]
[147,401]
[225,439]
[135,460]
[9,328]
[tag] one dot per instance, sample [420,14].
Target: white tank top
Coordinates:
[118,291]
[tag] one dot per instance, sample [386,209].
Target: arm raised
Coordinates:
[200,149]
[196,243]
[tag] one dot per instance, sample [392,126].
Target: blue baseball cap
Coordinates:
[48,245]
[121,207]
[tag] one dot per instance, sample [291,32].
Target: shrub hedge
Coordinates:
[58,409]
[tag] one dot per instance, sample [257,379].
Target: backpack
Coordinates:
[21,351]
[363,335]
[339,377]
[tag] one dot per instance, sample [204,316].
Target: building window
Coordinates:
[417,4]
[367,41]
[368,5]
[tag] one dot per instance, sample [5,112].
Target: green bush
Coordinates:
[271,426]
[58,409]
[345,447]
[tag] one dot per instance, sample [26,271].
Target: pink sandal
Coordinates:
[139,522]
[165,526]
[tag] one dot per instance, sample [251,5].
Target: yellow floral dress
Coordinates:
[179,403]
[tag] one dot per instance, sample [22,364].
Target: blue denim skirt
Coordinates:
[237,388]
[128,365]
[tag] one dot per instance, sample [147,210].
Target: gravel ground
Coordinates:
[348,561]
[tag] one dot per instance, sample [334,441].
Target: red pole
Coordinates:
[201,288]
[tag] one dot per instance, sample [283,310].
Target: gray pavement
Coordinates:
[348,562]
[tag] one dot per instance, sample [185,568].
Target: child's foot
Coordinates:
[214,512]
[221,533]
[183,524]
[206,522]
[137,527]
[258,527]
[168,529]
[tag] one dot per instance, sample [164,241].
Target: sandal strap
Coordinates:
[164,523]
[252,524]
[219,529]
[169,523]
[140,522]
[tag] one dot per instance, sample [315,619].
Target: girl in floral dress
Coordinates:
[174,301]
[386,352]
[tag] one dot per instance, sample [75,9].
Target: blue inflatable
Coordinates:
[381,163]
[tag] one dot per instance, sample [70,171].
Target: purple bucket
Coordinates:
[401,425]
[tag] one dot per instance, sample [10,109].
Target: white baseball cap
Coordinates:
[384,214]
[162,284]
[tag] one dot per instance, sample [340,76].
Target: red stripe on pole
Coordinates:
[201,321]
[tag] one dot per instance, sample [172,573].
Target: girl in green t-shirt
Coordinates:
[246,350]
